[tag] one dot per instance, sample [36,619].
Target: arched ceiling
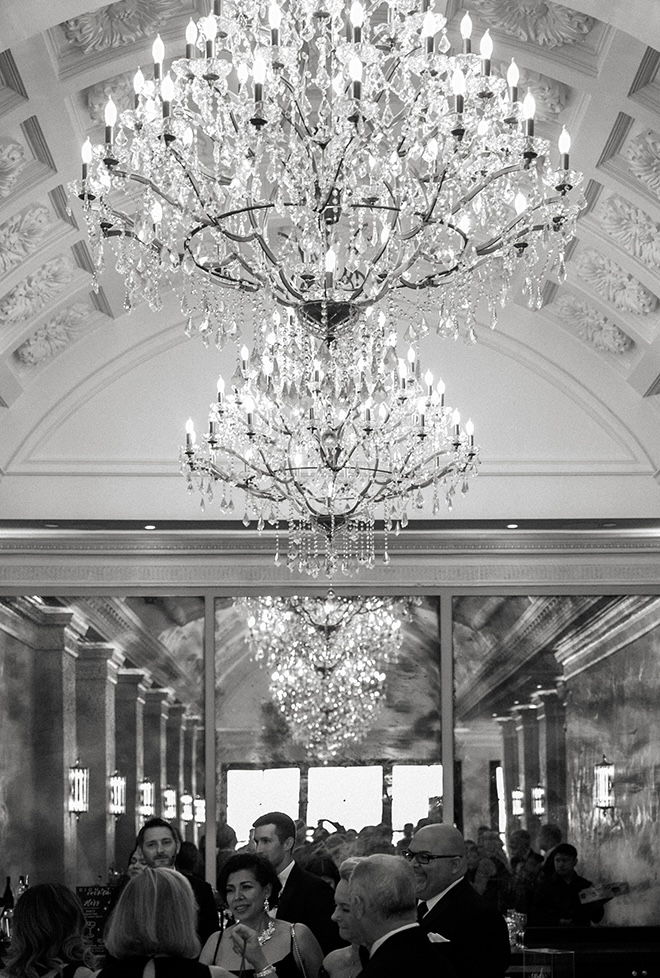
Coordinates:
[93,400]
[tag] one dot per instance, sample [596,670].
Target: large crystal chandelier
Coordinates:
[326,659]
[328,436]
[328,155]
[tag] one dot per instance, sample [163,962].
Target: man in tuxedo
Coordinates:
[160,843]
[384,919]
[304,898]
[474,933]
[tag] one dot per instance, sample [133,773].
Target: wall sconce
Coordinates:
[199,805]
[604,785]
[169,803]
[538,800]
[117,805]
[187,813]
[146,796]
[517,807]
[78,789]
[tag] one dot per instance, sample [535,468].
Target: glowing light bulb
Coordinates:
[86,152]
[110,113]
[512,75]
[520,203]
[486,46]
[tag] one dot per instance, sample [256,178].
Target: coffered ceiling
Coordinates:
[565,399]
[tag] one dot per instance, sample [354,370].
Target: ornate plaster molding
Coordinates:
[615,284]
[618,628]
[551,96]
[54,336]
[643,156]
[21,235]
[632,228]
[12,161]
[592,327]
[119,89]
[119,23]
[31,295]
[547,24]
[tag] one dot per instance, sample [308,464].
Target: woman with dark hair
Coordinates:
[151,932]
[48,936]
[250,886]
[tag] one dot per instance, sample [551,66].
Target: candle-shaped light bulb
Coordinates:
[355,71]
[411,359]
[110,119]
[188,137]
[469,431]
[156,212]
[519,203]
[242,73]
[138,85]
[356,17]
[466,33]
[86,154]
[528,110]
[209,28]
[486,51]
[428,31]
[158,54]
[191,39]
[564,148]
[274,22]
[456,421]
[167,94]
[221,389]
[512,79]
[421,410]
[428,380]
[245,356]
[191,437]
[458,86]
[259,75]
[440,387]
[330,263]
[403,373]
[248,404]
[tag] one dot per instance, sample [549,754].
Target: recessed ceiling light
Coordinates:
[51,526]
[150,526]
[512,526]
[608,526]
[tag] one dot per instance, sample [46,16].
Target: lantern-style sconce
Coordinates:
[538,800]
[187,812]
[146,798]
[117,805]
[78,789]
[604,785]
[517,807]
[169,803]
[199,806]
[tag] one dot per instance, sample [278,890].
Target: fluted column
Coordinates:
[190,780]
[528,760]
[157,703]
[130,692]
[96,677]
[509,765]
[551,719]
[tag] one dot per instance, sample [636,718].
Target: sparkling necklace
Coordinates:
[267,933]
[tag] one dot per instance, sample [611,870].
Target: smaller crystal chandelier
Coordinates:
[146,798]
[604,785]
[117,805]
[326,435]
[326,658]
[78,789]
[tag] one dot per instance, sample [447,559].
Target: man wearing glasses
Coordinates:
[472,933]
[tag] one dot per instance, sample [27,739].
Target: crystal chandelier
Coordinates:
[328,436]
[328,156]
[326,659]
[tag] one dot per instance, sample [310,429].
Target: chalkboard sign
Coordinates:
[95,901]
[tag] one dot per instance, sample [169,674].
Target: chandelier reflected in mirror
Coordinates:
[326,437]
[326,659]
[328,155]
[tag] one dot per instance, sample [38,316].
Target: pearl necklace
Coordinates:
[267,933]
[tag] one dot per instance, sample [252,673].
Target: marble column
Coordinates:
[96,677]
[157,703]
[509,766]
[551,719]
[190,780]
[528,760]
[130,691]
[174,760]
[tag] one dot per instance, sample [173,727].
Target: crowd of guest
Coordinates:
[342,904]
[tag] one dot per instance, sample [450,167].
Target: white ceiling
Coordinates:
[90,424]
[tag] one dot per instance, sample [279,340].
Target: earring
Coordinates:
[266,905]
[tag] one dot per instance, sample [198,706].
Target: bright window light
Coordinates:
[251,793]
[350,795]
[413,787]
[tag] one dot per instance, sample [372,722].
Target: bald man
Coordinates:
[476,935]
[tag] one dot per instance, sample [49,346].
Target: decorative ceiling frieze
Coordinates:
[643,156]
[21,235]
[614,284]
[54,336]
[592,327]
[551,96]
[32,294]
[547,24]
[638,233]
[119,89]
[12,161]
[124,22]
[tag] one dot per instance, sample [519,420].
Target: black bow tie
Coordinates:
[422,908]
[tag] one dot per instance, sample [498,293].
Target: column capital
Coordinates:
[159,700]
[98,660]
[133,683]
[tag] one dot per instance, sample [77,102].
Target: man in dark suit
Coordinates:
[160,843]
[384,918]
[304,898]
[474,933]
